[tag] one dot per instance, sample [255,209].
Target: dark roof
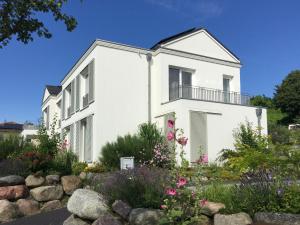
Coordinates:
[11,126]
[187,32]
[53,90]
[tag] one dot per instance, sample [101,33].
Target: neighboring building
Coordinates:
[114,87]
[28,131]
[10,128]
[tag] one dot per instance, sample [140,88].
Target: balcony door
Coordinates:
[180,84]
[226,89]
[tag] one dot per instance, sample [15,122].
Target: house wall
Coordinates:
[222,120]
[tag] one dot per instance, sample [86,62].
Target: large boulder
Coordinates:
[13,192]
[70,184]
[28,207]
[121,208]
[51,205]
[277,218]
[233,219]
[34,181]
[87,204]
[73,220]
[142,216]
[11,180]
[47,193]
[107,219]
[8,211]
[52,179]
[212,208]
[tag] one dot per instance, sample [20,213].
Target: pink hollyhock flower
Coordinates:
[171,191]
[171,123]
[181,182]
[182,141]
[170,136]
[163,207]
[204,158]
[203,202]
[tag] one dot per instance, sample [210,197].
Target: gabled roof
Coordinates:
[53,90]
[184,33]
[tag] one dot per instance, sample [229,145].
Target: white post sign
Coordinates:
[127,163]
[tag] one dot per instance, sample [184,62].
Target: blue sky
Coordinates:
[264,34]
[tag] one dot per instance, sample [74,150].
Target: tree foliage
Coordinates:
[262,100]
[287,95]
[19,18]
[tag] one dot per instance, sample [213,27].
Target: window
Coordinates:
[180,83]
[226,89]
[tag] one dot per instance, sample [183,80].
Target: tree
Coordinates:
[287,95]
[262,100]
[19,18]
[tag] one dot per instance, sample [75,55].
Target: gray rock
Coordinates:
[121,208]
[70,184]
[277,218]
[51,205]
[52,179]
[87,204]
[47,193]
[142,216]
[72,220]
[212,208]
[11,180]
[34,181]
[8,211]
[233,219]
[107,219]
[28,207]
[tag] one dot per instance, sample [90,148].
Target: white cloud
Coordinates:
[196,9]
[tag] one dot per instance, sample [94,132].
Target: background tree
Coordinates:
[19,18]
[287,95]
[262,100]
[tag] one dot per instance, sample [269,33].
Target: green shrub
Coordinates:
[63,161]
[13,146]
[78,167]
[95,168]
[279,134]
[140,146]
[36,161]
[139,187]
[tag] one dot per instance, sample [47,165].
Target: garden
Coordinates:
[247,184]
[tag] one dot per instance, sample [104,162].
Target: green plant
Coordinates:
[78,167]
[140,187]
[63,161]
[95,168]
[141,146]
[36,161]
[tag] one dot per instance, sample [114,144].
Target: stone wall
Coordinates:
[24,197]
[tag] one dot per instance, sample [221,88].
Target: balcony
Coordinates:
[208,94]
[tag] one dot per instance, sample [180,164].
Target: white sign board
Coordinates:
[127,163]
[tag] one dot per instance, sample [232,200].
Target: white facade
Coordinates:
[114,87]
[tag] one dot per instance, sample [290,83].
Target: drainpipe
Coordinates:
[149,60]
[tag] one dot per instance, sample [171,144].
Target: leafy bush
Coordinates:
[36,161]
[95,168]
[140,146]
[12,146]
[279,134]
[78,167]
[63,161]
[139,187]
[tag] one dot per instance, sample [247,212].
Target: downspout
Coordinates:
[149,60]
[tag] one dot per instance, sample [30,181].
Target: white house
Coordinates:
[114,87]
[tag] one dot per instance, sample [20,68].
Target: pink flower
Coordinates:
[182,141]
[171,191]
[205,158]
[203,202]
[181,182]
[163,207]
[171,123]
[170,136]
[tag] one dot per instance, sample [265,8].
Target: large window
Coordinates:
[180,83]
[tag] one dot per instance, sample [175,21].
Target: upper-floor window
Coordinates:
[180,83]
[46,118]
